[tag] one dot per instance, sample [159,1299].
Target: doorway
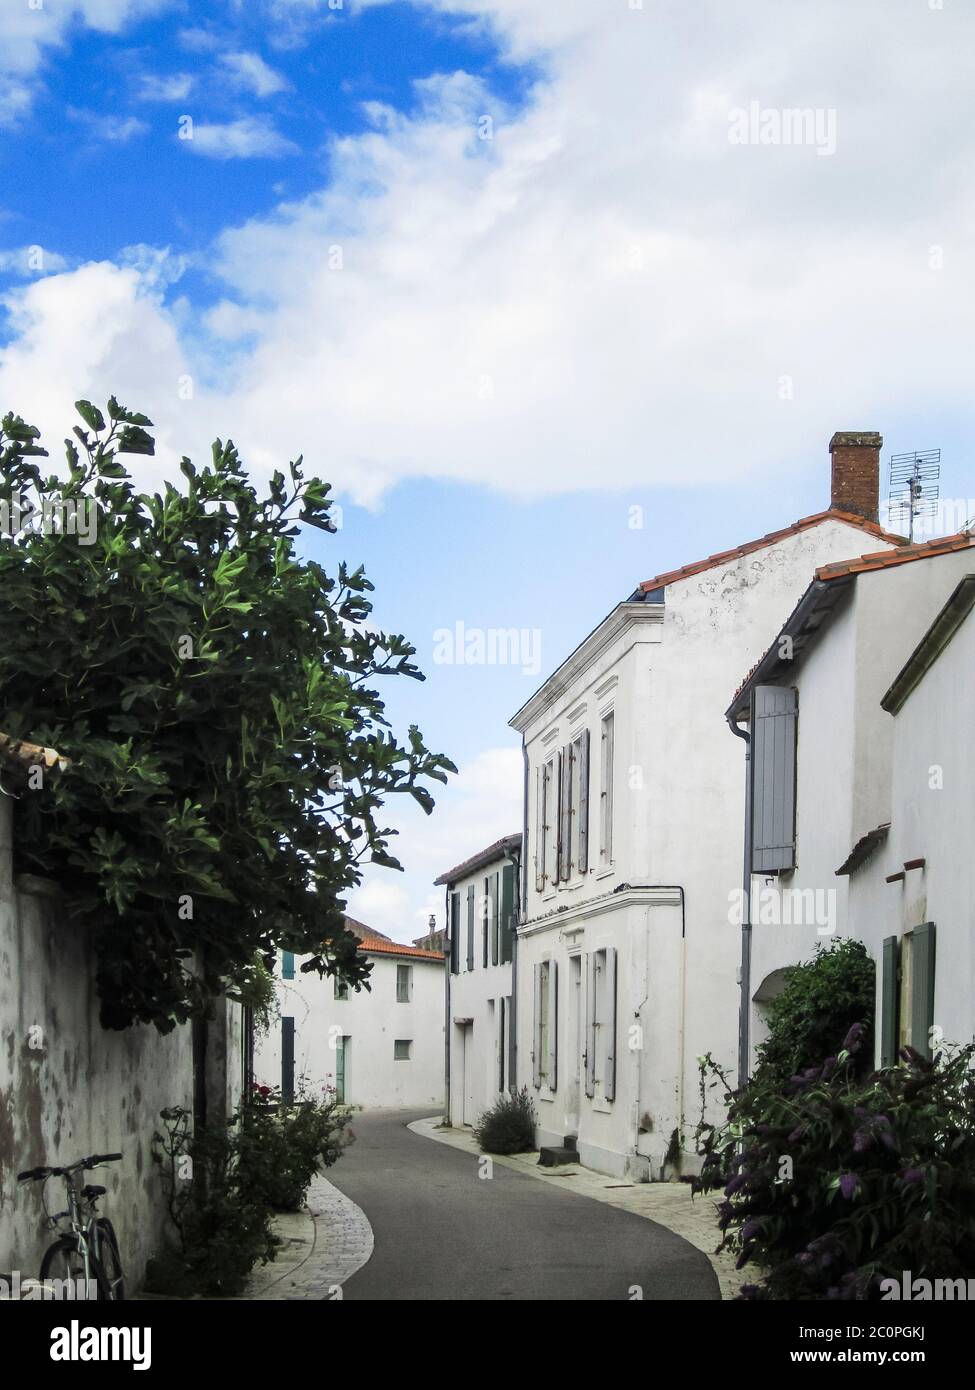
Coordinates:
[468,1091]
[342,1069]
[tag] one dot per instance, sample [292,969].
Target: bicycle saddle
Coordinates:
[92,1190]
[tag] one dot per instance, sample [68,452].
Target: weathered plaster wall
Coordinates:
[69,1088]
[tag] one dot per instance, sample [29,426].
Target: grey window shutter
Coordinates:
[470,927]
[773,778]
[455,933]
[287,1059]
[507,911]
[485,921]
[537,1048]
[584,802]
[540,865]
[591,1024]
[609,1028]
[565,813]
[922,988]
[502,1012]
[888,1003]
[494,918]
[512,1046]
[553,1024]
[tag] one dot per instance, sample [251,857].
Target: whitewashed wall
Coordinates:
[372,1020]
[68,1087]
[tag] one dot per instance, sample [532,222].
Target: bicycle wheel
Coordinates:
[108,1270]
[63,1261]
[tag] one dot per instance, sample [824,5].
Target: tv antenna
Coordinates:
[914,485]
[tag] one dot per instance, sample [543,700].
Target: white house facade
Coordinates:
[482,911]
[380,1048]
[861,760]
[627,956]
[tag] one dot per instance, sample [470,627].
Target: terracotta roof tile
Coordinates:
[382,946]
[887,559]
[738,551]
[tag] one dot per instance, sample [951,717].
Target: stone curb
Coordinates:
[669,1204]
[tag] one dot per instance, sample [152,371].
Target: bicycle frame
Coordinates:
[83,1226]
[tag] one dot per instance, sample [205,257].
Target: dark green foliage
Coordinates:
[821,1002]
[215,694]
[281,1147]
[836,1181]
[509,1126]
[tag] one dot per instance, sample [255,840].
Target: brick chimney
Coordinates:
[855,456]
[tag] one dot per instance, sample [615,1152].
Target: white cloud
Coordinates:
[116,130]
[32,260]
[249,71]
[251,137]
[174,86]
[479,805]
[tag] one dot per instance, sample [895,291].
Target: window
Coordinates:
[287,965]
[601,1024]
[545,1056]
[607,734]
[404,983]
[574,818]
[773,778]
[402,1048]
[907,1001]
[341,988]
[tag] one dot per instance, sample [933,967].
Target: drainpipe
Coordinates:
[746,915]
[448,958]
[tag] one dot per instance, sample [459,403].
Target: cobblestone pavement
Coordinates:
[669,1204]
[323,1246]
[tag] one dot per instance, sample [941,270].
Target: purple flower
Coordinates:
[911,1175]
[751,1229]
[849,1183]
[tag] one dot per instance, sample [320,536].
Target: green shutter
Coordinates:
[507,911]
[287,965]
[922,988]
[888,1003]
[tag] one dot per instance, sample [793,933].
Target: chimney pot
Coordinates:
[855,457]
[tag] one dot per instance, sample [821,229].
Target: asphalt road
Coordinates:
[443,1232]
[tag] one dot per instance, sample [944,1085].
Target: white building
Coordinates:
[862,763]
[381,1047]
[482,911]
[626,959]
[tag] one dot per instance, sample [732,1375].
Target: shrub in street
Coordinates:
[508,1127]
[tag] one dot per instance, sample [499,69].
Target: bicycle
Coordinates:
[89,1251]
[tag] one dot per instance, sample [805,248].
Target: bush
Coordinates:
[281,1147]
[836,1182]
[223,1229]
[509,1126]
[822,1000]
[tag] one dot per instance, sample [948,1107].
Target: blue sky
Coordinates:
[498,270]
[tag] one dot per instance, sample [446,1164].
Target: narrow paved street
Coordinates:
[443,1232]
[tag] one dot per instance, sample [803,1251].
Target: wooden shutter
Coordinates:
[540,865]
[584,801]
[553,1024]
[287,965]
[565,813]
[502,1013]
[287,1059]
[455,933]
[773,778]
[922,988]
[591,1024]
[485,921]
[537,1031]
[470,927]
[609,1027]
[507,911]
[889,995]
[495,910]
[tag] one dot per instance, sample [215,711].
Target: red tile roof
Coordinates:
[382,946]
[725,556]
[886,559]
